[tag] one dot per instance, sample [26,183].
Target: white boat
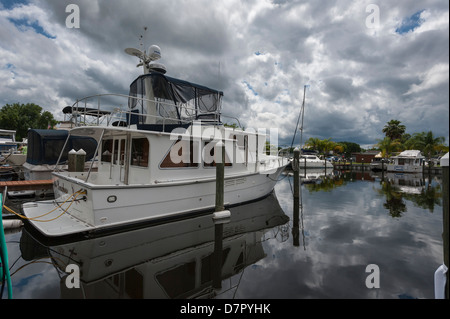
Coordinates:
[159,163]
[9,151]
[378,163]
[44,149]
[312,161]
[142,263]
[410,161]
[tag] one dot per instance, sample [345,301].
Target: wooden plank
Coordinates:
[26,185]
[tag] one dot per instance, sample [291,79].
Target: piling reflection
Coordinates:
[172,260]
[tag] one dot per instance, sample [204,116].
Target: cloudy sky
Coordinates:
[363,62]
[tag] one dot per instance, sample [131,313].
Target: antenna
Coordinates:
[141,37]
[146,58]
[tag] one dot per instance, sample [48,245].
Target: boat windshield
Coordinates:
[175,100]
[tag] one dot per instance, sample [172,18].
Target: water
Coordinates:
[345,223]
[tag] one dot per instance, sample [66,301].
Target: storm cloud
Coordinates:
[259,53]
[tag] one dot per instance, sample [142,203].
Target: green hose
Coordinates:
[4,255]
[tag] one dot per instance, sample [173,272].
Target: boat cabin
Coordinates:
[159,102]
[407,161]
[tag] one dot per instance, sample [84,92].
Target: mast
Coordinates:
[302,115]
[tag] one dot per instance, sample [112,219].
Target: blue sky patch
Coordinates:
[23,24]
[250,88]
[11,68]
[9,4]
[410,23]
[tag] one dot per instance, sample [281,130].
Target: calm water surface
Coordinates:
[345,222]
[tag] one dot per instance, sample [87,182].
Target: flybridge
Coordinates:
[155,98]
[172,101]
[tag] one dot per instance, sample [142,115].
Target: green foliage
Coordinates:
[394,130]
[327,145]
[387,146]
[21,117]
[427,143]
[397,140]
[349,148]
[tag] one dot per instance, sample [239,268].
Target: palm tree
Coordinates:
[327,145]
[387,146]
[426,143]
[394,129]
[313,143]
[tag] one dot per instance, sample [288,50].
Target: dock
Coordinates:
[435,170]
[26,185]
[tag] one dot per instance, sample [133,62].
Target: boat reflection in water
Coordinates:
[171,260]
[313,175]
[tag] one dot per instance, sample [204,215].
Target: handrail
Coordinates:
[118,113]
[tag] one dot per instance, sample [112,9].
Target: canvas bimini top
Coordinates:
[172,101]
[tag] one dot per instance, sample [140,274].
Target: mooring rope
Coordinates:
[36,218]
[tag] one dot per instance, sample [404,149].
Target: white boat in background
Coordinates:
[378,163]
[410,161]
[159,162]
[10,153]
[44,149]
[312,161]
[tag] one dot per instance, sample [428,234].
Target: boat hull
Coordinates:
[404,168]
[100,208]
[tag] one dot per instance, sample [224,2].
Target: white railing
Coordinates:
[124,116]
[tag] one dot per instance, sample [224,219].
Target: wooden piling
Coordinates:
[296,169]
[296,205]
[220,175]
[76,160]
[220,216]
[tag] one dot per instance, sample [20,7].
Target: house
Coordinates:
[365,157]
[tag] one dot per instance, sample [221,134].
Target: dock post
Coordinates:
[220,215]
[72,158]
[81,159]
[220,175]
[445,219]
[296,169]
[76,160]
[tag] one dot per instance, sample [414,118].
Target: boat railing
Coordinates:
[121,117]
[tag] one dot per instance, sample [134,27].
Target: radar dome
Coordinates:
[154,53]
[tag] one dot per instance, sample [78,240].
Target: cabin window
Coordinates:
[139,152]
[183,153]
[209,157]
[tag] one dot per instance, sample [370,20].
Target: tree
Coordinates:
[327,145]
[427,143]
[394,130]
[21,117]
[313,143]
[387,145]
[350,147]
